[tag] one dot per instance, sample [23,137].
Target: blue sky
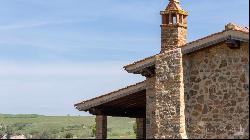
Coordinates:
[54,53]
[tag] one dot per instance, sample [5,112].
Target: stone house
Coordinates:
[196,90]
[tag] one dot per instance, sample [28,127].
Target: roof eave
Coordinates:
[217,38]
[136,68]
[86,105]
[140,66]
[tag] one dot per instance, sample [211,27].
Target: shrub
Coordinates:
[93,130]
[128,133]
[109,129]
[135,127]
[9,131]
[2,133]
[20,126]
[69,135]
[45,135]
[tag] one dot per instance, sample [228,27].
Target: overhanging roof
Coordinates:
[110,97]
[138,66]
[232,31]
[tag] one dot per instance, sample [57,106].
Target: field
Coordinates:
[37,126]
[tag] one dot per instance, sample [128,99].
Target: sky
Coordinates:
[55,53]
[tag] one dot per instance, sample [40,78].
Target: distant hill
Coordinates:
[20,115]
[39,126]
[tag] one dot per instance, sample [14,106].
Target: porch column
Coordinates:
[101,127]
[151,126]
[141,128]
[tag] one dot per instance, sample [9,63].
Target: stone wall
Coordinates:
[217,92]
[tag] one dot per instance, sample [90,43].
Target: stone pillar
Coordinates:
[181,19]
[141,128]
[170,104]
[101,127]
[177,18]
[165,98]
[170,19]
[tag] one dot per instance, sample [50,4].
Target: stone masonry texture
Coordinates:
[201,95]
[172,37]
[167,102]
[216,88]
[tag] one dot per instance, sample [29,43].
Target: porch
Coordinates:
[127,102]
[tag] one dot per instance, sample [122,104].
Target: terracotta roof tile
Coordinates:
[202,38]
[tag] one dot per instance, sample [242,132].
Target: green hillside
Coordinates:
[37,126]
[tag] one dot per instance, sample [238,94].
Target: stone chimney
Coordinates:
[165,108]
[173,27]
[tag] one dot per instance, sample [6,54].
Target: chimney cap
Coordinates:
[174,6]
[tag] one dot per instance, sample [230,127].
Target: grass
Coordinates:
[60,126]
